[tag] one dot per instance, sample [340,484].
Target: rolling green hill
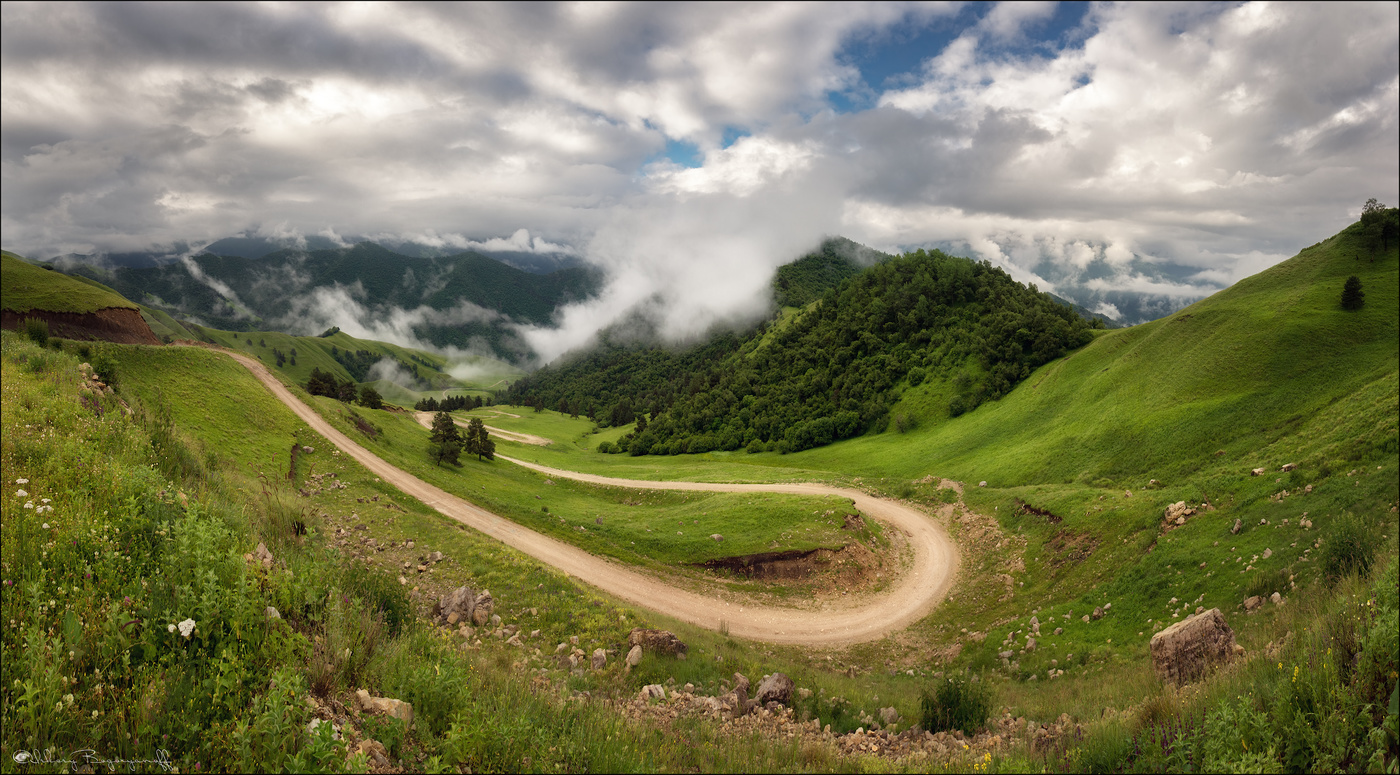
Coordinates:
[471,298]
[24,287]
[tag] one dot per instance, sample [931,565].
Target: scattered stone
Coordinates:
[272,613]
[1084,618]
[1276,599]
[1184,651]
[316,723]
[1127,493]
[981,484]
[1059,630]
[262,555]
[1178,512]
[1268,553]
[1030,644]
[435,557]
[408,545]
[375,752]
[465,604]
[1098,613]
[1252,602]
[774,688]
[1257,472]
[653,692]
[1288,467]
[1236,529]
[634,657]
[599,660]
[889,716]
[390,707]
[716,537]
[659,641]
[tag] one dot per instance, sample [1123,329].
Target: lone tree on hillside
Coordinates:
[446,443]
[370,398]
[479,442]
[1352,295]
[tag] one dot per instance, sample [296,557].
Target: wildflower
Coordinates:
[22,481]
[44,500]
[96,713]
[187,627]
[21,494]
[68,699]
[29,504]
[46,526]
[171,628]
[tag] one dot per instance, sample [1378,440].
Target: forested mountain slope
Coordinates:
[829,372]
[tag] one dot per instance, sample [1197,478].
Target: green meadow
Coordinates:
[24,287]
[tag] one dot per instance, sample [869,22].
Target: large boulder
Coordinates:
[1184,651]
[659,641]
[775,688]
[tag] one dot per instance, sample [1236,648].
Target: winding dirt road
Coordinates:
[425,419]
[913,595]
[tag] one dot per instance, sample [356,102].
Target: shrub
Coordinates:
[37,330]
[1352,295]
[1348,550]
[956,703]
[606,447]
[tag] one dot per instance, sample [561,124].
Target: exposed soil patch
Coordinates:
[767,565]
[1071,547]
[114,324]
[1025,508]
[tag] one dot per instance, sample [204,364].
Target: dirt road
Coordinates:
[914,594]
[425,419]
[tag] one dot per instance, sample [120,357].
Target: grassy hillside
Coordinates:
[24,286]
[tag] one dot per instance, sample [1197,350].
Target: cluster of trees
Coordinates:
[281,357]
[1379,225]
[450,403]
[446,444]
[832,372]
[321,383]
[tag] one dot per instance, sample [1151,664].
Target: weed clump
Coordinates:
[37,330]
[1348,551]
[956,703]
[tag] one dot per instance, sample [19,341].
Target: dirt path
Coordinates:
[923,585]
[425,419]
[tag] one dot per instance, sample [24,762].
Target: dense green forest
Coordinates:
[265,291]
[827,373]
[805,280]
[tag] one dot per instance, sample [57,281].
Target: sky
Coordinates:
[1132,158]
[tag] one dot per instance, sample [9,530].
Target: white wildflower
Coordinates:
[171,628]
[68,699]
[44,500]
[21,494]
[29,504]
[46,526]
[22,481]
[187,627]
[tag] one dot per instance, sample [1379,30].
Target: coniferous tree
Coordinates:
[445,443]
[1352,295]
[479,442]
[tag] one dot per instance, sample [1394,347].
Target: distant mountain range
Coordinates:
[467,300]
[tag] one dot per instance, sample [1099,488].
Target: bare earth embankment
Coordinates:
[923,584]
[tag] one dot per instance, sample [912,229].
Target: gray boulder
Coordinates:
[658,641]
[1184,651]
[775,688]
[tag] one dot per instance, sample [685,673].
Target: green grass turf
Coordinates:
[25,287]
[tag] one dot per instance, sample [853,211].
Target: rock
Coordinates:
[271,613]
[262,555]
[375,752]
[1035,622]
[1288,466]
[653,692]
[716,537]
[1097,614]
[435,557]
[316,723]
[1276,599]
[481,610]
[1084,618]
[1107,607]
[741,683]
[775,688]
[408,545]
[390,707]
[659,641]
[1178,512]
[1184,651]
[465,604]
[1030,644]
[804,693]
[514,640]
[1059,630]
[1252,602]
[634,657]
[598,521]
[1236,529]
[889,716]
[599,660]
[1006,655]
[1268,553]
[1257,472]
[981,484]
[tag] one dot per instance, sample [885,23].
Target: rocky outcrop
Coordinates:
[390,707]
[658,641]
[113,324]
[467,606]
[1184,651]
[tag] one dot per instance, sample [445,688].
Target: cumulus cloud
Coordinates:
[1158,150]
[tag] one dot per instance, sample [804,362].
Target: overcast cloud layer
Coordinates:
[1143,157]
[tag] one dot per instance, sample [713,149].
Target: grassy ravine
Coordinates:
[24,286]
